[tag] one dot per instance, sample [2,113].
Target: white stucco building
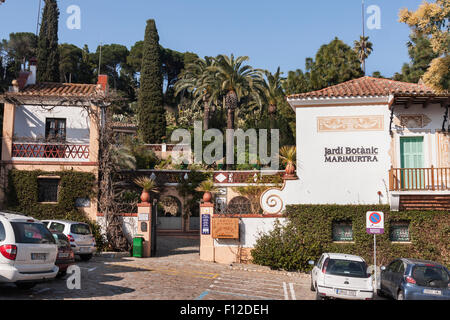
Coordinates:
[370,141]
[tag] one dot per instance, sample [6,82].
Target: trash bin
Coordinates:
[138,247]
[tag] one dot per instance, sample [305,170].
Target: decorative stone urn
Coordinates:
[145,196]
[207,196]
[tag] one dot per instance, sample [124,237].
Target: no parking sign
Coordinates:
[375,222]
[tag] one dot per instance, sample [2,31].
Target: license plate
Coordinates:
[38,256]
[85,249]
[346,292]
[435,292]
[63,255]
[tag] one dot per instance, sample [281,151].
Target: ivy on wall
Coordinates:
[22,196]
[308,232]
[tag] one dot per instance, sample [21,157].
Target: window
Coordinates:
[347,268]
[80,228]
[399,232]
[55,130]
[342,231]
[2,232]
[48,189]
[393,267]
[431,276]
[26,232]
[57,226]
[239,205]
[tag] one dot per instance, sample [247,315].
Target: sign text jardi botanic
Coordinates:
[350,154]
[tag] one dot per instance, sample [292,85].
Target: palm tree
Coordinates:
[236,81]
[197,80]
[273,90]
[363,48]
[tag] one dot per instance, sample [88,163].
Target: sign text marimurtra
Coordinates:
[349,154]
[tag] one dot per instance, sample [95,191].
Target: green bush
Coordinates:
[22,196]
[307,233]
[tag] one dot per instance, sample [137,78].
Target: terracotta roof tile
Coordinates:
[368,86]
[60,90]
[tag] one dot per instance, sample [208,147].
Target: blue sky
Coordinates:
[272,33]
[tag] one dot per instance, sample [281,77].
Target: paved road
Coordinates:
[175,274]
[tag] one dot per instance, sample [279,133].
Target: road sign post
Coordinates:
[375,225]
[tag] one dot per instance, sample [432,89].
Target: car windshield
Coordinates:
[61,240]
[80,228]
[347,268]
[431,276]
[29,232]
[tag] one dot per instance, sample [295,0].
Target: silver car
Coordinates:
[80,236]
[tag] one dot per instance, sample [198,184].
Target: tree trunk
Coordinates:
[206,113]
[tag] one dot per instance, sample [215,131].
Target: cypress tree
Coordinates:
[48,53]
[151,113]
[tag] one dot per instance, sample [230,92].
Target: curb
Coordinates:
[268,270]
[112,255]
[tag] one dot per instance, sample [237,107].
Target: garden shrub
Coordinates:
[22,196]
[307,233]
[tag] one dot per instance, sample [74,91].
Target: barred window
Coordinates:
[239,205]
[55,129]
[399,232]
[48,189]
[342,231]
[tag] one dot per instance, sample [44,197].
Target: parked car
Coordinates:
[79,234]
[412,279]
[27,251]
[65,256]
[341,276]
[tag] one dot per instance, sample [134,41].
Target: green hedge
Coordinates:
[22,196]
[307,233]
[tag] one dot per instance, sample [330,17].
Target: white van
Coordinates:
[27,251]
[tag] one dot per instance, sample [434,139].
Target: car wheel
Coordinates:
[25,285]
[381,293]
[400,295]
[318,296]
[86,257]
[312,286]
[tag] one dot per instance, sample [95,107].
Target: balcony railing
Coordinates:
[54,151]
[419,179]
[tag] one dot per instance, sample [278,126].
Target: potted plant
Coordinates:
[288,157]
[208,188]
[148,185]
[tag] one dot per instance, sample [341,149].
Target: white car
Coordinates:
[27,251]
[80,236]
[341,276]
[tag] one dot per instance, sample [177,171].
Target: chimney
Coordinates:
[33,69]
[103,81]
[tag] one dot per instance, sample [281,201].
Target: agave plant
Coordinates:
[288,157]
[146,184]
[208,188]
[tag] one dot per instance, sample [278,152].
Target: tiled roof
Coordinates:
[49,89]
[368,86]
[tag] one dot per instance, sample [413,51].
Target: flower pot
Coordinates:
[290,170]
[145,196]
[207,196]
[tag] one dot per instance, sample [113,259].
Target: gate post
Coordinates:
[145,226]
[206,239]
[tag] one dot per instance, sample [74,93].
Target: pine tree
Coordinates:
[48,53]
[151,113]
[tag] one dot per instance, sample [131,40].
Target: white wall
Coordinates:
[29,122]
[322,182]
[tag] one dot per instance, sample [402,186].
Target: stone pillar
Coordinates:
[145,226]
[8,131]
[206,239]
